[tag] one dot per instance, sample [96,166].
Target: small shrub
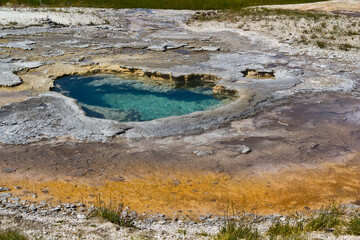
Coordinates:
[352,33]
[313,36]
[114,214]
[11,235]
[303,40]
[321,44]
[345,47]
[354,226]
[12,23]
[317,29]
[233,232]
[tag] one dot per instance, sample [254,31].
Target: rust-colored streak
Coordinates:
[200,192]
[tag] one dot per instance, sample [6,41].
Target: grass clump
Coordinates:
[114,214]
[321,44]
[11,235]
[327,218]
[203,234]
[232,231]
[286,230]
[182,232]
[354,226]
[345,46]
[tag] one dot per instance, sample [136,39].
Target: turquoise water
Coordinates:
[121,99]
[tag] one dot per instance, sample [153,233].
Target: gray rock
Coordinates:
[244,149]
[150,220]
[81,216]
[206,48]
[33,208]
[7,76]
[81,46]
[70,205]
[134,45]
[314,145]
[158,48]
[9,79]
[350,208]
[53,53]
[174,46]
[8,170]
[202,152]
[56,209]
[162,222]
[24,45]
[2,189]
[133,214]
[52,115]
[7,195]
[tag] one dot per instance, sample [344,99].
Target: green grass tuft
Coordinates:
[11,235]
[231,231]
[345,46]
[328,218]
[321,44]
[114,214]
[203,234]
[354,226]
[286,230]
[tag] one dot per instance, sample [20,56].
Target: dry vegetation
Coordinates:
[322,30]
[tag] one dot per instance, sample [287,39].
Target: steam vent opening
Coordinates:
[127,99]
[255,74]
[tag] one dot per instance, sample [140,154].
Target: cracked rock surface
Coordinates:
[54,116]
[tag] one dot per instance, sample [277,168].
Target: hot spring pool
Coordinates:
[123,99]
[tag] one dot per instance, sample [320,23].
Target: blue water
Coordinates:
[121,99]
